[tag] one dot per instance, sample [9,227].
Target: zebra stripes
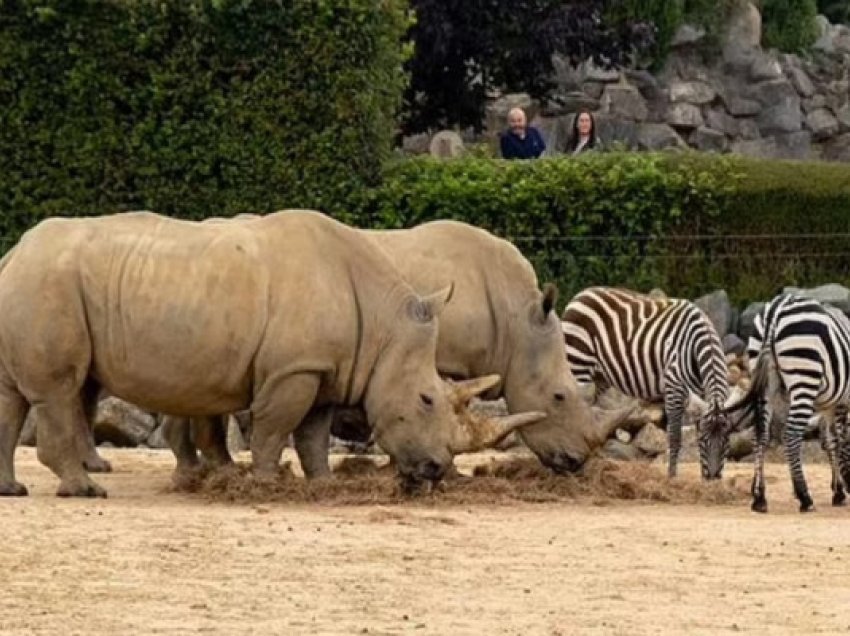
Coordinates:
[655,350]
[801,349]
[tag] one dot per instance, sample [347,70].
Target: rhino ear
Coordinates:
[429,307]
[550,297]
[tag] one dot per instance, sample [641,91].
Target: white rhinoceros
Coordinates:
[281,313]
[498,322]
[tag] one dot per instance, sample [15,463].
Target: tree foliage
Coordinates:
[789,25]
[466,48]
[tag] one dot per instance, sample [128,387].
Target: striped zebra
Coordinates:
[800,349]
[659,350]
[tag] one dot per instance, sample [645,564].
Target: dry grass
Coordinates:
[358,481]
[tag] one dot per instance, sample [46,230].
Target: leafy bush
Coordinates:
[789,25]
[665,15]
[193,108]
[685,222]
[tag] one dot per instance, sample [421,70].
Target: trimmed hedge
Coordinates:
[193,108]
[685,222]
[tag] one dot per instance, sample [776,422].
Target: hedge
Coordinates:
[685,222]
[193,108]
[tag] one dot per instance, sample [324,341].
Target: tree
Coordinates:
[464,49]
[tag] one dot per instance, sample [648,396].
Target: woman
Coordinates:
[583,137]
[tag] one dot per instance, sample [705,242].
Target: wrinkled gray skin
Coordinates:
[498,322]
[201,319]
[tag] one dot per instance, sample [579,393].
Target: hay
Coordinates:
[359,481]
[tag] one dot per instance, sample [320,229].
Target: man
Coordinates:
[521,141]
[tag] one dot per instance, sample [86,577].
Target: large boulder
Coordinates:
[764,67]
[822,123]
[733,344]
[708,140]
[658,137]
[692,92]
[801,81]
[651,440]
[717,119]
[843,118]
[742,37]
[624,101]
[122,423]
[717,307]
[760,148]
[615,130]
[770,92]
[833,294]
[615,449]
[684,115]
[784,116]
[838,149]
[795,145]
[746,323]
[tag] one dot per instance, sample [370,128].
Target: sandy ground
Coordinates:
[148,561]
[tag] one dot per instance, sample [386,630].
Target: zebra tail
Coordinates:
[746,407]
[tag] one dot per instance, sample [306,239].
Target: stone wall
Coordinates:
[744,100]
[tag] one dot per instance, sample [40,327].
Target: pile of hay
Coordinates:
[358,481]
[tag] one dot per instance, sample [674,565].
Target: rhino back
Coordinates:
[493,284]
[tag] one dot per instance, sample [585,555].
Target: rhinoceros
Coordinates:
[281,313]
[498,322]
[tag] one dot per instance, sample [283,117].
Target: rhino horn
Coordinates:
[607,421]
[477,433]
[464,390]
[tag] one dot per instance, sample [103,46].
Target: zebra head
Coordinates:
[713,431]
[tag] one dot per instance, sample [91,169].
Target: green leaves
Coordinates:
[194,108]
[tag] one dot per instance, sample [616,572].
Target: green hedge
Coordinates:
[789,25]
[193,108]
[685,222]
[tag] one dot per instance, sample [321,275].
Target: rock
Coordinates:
[416,144]
[837,91]
[761,148]
[658,137]
[446,144]
[824,42]
[593,89]
[801,82]
[156,439]
[764,67]
[838,149]
[615,131]
[822,123]
[497,112]
[687,35]
[783,117]
[651,440]
[748,129]
[746,323]
[692,92]
[718,120]
[833,294]
[733,344]
[683,115]
[740,445]
[655,292]
[742,107]
[690,449]
[841,38]
[769,93]
[643,80]
[571,102]
[615,449]
[843,118]
[717,307]
[593,73]
[708,140]
[624,101]
[743,35]
[813,103]
[796,145]
[567,76]
[555,132]
[122,423]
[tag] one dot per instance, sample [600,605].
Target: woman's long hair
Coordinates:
[572,144]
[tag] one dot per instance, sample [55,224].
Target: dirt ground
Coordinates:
[151,561]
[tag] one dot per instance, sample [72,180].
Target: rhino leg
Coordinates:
[177,434]
[13,412]
[61,424]
[93,462]
[312,441]
[278,408]
[210,437]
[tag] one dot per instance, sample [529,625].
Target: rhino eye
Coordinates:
[426,399]
[560,397]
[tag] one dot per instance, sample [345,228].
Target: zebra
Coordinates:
[654,349]
[801,349]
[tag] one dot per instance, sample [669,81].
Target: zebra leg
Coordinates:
[842,435]
[829,445]
[674,408]
[801,411]
[761,431]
